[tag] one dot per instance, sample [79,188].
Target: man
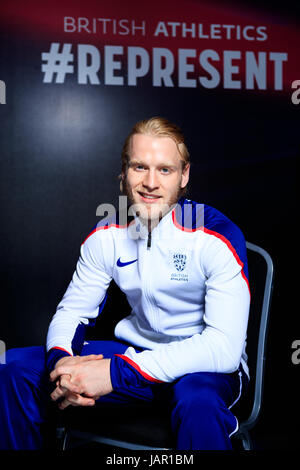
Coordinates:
[183,268]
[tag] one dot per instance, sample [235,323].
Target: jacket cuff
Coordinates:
[53,355]
[125,374]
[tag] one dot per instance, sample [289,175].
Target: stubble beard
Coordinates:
[151,216]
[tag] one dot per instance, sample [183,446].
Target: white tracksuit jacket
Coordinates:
[187,287]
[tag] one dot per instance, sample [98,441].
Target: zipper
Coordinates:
[149,241]
[148,285]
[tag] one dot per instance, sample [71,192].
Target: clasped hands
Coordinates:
[81,380]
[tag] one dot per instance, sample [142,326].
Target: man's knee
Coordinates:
[24,365]
[200,417]
[195,395]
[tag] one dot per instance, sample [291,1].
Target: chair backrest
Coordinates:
[261,274]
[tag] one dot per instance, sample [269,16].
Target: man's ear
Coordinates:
[185,175]
[122,177]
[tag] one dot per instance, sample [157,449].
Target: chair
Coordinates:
[143,427]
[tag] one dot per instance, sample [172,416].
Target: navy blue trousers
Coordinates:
[200,403]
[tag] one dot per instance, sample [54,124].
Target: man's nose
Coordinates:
[151,180]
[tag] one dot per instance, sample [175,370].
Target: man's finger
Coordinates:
[56,373]
[75,400]
[63,386]
[62,370]
[91,357]
[69,368]
[66,383]
[57,393]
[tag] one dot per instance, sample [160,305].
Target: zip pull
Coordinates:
[149,241]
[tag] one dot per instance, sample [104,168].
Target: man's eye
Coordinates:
[139,167]
[165,171]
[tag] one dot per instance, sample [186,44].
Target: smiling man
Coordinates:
[155,171]
[183,268]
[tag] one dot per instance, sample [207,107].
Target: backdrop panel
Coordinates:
[78,75]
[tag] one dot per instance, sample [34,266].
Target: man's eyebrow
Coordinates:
[140,162]
[135,162]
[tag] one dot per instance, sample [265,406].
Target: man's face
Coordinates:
[154,176]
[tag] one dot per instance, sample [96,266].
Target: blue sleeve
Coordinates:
[127,378]
[53,356]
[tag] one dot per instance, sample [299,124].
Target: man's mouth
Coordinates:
[149,197]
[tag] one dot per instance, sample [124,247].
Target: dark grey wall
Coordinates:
[60,157]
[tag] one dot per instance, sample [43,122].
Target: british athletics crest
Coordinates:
[179,261]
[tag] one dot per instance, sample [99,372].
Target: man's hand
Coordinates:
[81,380]
[64,387]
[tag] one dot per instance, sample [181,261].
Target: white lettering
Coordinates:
[69,24]
[185,68]
[215,31]
[278,58]
[193,67]
[111,65]
[262,34]
[245,30]
[256,70]
[124,28]
[162,75]
[214,81]
[228,28]
[173,27]
[86,71]
[104,22]
[186,30]
[83,24]
[142,28]
[134,71]
[230,69]
[161,29]
[201,35]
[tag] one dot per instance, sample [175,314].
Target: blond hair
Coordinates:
[156,127]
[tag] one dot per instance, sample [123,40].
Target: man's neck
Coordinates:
[152,223]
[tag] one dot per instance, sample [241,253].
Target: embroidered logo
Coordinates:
[179,260]
[121,264]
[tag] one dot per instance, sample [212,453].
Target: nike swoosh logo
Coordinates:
[121,265]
